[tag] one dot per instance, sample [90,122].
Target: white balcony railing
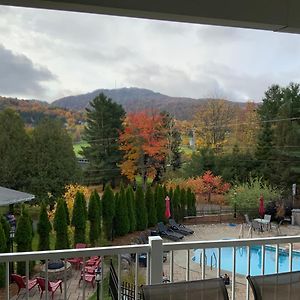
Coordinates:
[155,250]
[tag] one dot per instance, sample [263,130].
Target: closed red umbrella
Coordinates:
[261,209]
[167,211]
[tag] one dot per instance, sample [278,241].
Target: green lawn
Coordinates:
[77,147]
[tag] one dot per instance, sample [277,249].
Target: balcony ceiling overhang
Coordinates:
[275,15]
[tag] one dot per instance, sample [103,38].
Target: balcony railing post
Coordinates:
[156,259]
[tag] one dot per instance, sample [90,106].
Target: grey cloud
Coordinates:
[19,75]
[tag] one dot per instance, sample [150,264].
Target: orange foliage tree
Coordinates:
[144,144]
[207,184]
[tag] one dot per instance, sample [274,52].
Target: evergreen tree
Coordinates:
[104,122]
[131,208]
[53,161]
[44,228]
[183,201]
[141,212]
[67,213]
[23,238]
[108,211]
[189,201]
[79,218]
[160,204]
[193,207]
[6,229]
[14,151]
[94,218]
[122,220]
[2,250]
[176,204]
[60,226]
[151,209]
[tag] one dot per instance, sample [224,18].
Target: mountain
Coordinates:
[135,99]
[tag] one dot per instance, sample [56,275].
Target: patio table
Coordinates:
[262,223]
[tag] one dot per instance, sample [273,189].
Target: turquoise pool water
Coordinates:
[255,259]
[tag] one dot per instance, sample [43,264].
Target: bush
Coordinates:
[141,212]
[2,250]
[176,204]
[61,227]
[122,221]
[6,229]
[108,211]
[44,228]
[131,208]
[79,218]
[245,196]
[152,219]
[160,203]
[94,212]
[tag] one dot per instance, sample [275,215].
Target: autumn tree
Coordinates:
[141,211]
[108,211]
[143,142]
[104,122]
[44,228]
[94,216]
[212,120]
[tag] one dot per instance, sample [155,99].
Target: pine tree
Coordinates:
[183,201]
[122,220]
[189,201]
[79,218]
[44,228]
[3,249]
[160,204]
[104,122]
[23,238]
[60,226]
[170,194]
[67,213]
[151,209]
[176,204]
[108,211]
[141,212]
[131,208]
[94,218]
[193,207]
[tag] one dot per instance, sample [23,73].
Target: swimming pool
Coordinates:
[255,259]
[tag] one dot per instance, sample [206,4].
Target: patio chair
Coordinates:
[267,218]
[248,222]
[52,286]
[282,286]
[21,282]
[168,233]
[180,228]
[208,289]
[76,261]
[89,278]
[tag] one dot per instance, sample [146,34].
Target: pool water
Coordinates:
[255,259]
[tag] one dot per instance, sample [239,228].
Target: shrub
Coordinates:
[160,203]
[2,250]
[122,220]
[131,208]
[6,229]
[245,196]
[44,228]
[94,212]
[141,212]
[176,204]
[79,218]
[183,201]
[60,226]
[149,199]
[108,211]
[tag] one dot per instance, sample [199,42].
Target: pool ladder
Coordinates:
[213,260]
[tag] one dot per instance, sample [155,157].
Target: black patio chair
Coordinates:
[168,233]
[180,228]
[208,289]
[282,286]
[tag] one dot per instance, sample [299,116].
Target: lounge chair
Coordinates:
[208,289]
[282,286]
[52,286]
[180,228]
[168,233]
[21,282]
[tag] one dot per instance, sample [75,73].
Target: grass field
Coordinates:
[77,147]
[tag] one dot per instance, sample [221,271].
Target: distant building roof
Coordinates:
[8,196]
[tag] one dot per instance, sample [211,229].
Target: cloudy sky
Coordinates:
[49,54]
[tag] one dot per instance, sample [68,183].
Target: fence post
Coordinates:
[156,259]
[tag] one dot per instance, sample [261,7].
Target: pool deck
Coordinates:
[202,232]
